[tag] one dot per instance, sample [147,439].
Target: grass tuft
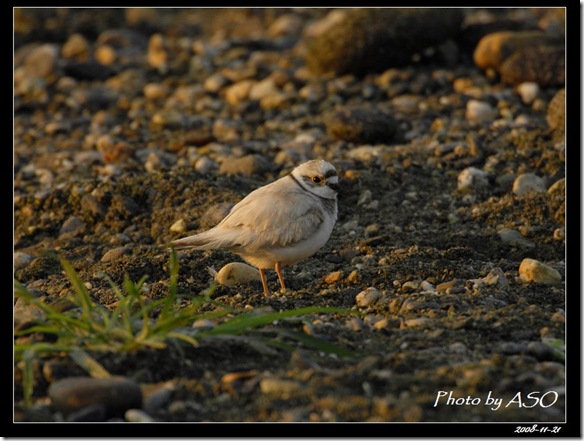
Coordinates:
[136,324]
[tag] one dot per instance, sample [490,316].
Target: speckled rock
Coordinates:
[493,49]
[557,199]
[544,65]
[556,111]
[368,40]
[246,165]
[478,25]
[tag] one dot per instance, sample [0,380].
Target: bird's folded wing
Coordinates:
[273,221]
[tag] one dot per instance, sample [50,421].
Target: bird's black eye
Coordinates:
[317,179]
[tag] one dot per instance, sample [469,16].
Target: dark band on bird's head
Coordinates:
[331,172]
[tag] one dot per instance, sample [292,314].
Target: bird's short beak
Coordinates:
[335,187]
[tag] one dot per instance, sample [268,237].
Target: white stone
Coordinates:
[528,92]
[237,273]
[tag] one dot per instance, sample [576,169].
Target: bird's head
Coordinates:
[319,177]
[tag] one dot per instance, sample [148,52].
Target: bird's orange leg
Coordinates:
[279,272]
[264,282]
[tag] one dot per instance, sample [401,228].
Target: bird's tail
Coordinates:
[196,242]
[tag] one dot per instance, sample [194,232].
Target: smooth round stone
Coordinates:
[116,393]
[479,111]
[528,182]
[21,259]
[237,273]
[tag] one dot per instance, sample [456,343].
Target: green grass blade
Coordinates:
[174,270]
[315,343]
[89,364]
[243,322]
[184,337]
[82,294]
[28,375]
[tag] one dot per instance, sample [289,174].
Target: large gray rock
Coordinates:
[372,40]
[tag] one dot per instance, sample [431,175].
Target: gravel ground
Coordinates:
[135,127]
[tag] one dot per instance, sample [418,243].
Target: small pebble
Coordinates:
[283,388]
[427,287]
[72,227]
[21,259]
[479,111]
[444,286]
[76,47]
[262,89]
[356,325]
[532,270]
[528,182]
[215,82]
[387,323]
[496,277]
[333,277]
[472,178]
[410,286]
[368,297]
[115,253]
[528,92]
[156,91]
[203,324]
[559,234]
[137,416]
[180,226]
[417,322]
[204,165]
[157,53]
[238,92]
